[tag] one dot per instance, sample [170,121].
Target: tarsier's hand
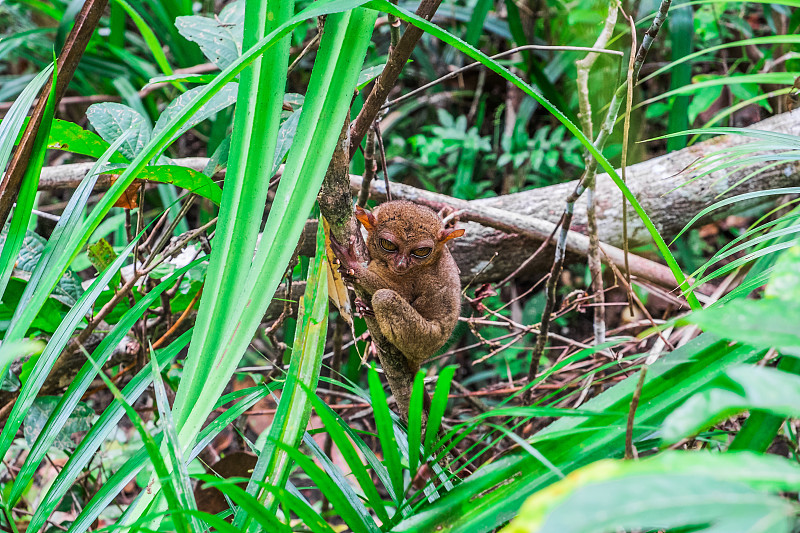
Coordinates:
[349,266]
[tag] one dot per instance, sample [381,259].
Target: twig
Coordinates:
[310,46]
[379,138]
[167,334]
[584,66]
[455,73]
[626,128]
[385,82]
[591,167]
[629,452]
[370,167]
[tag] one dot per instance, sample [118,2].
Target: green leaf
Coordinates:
[185,178]
[225,97]
[670,490]
[385,427]
[111,120]
[101,255]
[26,197]
[220,38]
[41,409]
[744,388]
[784,283]
[70,137]
[369,74]
[764,323]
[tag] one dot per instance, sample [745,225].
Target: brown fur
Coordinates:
[416,301]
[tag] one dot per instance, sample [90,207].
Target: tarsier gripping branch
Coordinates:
[411,280]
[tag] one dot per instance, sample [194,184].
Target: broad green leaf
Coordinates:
[767,323]
[79,420]
[369,74]
[220,37]
[225,97]
[744,388]
[70,137]
[285,137]
[670,490]
[784,283]
[111,120]
[185,178]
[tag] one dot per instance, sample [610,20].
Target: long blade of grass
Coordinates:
[88,447]
[334,426]
[438,406]
[345,501]
[138,460]
[179,472]
[9,131]
[294,407]
[83,380]
[736,199]
[246,502]
[151,41]
[171,493]
[385,427]
[415,423]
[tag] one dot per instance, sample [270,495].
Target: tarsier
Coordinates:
[411,279]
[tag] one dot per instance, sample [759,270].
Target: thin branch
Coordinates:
[385,82]
[511,51]
[629,452]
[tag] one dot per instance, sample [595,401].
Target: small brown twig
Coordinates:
[629,450]
[376,128]
[370,168]
[167,334]
[511,51]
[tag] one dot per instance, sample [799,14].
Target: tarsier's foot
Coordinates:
[363,308]
[449,216]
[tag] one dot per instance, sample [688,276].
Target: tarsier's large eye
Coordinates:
[389,246]
[421,252]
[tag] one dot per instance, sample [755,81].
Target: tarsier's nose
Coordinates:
[401,264]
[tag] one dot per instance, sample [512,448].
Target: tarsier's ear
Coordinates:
[366,218]
[447,234]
